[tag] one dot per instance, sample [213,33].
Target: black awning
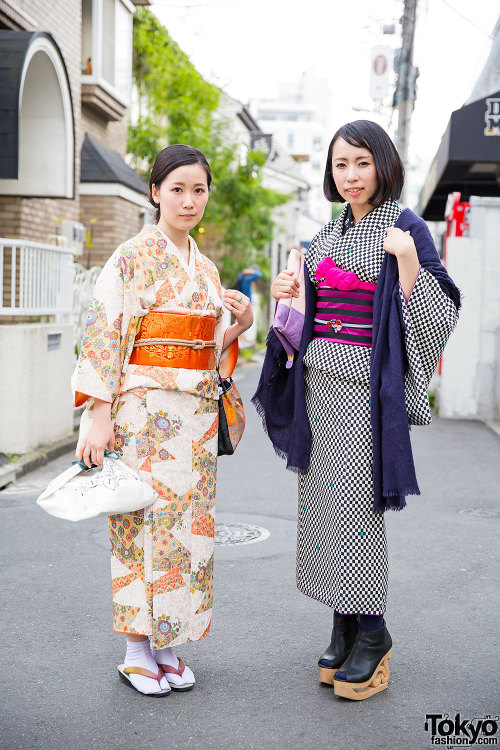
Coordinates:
[102,164]
[468,159]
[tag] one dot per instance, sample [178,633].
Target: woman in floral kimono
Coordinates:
[147,370]
[379,308]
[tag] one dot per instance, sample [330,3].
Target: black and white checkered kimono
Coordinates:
[341,546]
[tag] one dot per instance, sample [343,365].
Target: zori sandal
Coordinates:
[168,670]
[125,672]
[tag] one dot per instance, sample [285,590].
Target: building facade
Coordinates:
[65,74]
[65,193]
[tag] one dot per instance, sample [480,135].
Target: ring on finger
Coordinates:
[240,300]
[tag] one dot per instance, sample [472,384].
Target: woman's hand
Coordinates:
[239,305]
[100,436]
[399,243]
[285,285]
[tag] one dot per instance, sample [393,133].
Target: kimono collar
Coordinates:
[172,248]
[380,217]
[360,249]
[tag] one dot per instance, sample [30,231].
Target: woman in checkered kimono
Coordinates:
[342,549]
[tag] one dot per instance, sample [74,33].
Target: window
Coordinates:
[290,140]
[107,45]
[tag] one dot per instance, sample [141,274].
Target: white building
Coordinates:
[299,118]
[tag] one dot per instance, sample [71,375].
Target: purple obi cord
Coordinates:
[344,309]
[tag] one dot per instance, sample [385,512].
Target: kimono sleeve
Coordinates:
[429,317]
[98,370]
[215,294]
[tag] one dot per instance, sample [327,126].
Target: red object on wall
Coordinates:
[456,214]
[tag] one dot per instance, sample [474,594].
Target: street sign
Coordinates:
[381,64]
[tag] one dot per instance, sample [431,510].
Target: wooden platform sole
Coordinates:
[326,675]
[359,691]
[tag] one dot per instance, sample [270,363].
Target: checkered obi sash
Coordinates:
[344,308]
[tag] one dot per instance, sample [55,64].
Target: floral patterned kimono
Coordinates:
[166,423]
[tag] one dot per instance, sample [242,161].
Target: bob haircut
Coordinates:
[388,165]
[170,158]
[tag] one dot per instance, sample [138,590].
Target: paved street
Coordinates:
[256,673]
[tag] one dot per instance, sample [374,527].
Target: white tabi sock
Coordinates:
[139,655]
[167,656]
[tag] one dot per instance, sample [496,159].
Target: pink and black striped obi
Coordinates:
[344,308]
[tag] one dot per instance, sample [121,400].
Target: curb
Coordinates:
[493,425]
[30,461]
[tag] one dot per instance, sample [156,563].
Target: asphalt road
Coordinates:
[256,673]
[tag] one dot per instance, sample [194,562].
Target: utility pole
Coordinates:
[404,95]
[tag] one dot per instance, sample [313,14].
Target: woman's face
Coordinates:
[182,197]
[355,176]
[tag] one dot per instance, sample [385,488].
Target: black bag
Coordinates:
[231,417]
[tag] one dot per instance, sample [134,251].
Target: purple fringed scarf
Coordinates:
[280,395]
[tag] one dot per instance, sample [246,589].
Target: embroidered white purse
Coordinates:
[80,493]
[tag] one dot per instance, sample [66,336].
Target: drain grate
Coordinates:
[239,533]
[481,512]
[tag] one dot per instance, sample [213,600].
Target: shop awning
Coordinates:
[468,159]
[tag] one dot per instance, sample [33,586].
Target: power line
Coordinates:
[490,36]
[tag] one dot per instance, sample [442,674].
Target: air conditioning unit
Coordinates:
[75,235]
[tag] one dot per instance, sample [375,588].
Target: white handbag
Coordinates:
[80,493]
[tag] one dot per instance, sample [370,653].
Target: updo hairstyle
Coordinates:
[170,158]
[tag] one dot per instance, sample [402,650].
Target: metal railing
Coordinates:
[35,279]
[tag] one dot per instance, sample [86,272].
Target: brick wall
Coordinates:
[110,134]
[34,218]
[117,221]
[10,216]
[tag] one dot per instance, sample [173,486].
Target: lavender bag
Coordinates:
[288,320]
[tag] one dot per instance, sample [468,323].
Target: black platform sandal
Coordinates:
[366,669]
[345,630]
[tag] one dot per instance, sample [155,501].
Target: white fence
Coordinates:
[35,279]
[83,286]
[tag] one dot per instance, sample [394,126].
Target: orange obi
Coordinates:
[175,340]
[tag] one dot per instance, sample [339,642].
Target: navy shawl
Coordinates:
[280,396]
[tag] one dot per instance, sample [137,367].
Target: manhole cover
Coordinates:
[481,512]
[239,533]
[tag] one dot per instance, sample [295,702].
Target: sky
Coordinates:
[247,48]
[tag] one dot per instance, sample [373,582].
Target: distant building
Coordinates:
[299,118]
